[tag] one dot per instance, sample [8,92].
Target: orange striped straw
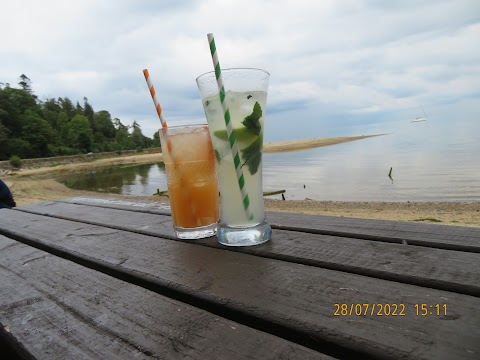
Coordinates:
[164,125]
[154,98]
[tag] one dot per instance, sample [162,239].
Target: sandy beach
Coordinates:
[39,184]
[294,145]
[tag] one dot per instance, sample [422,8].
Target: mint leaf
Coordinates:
[252,155]
[249,96]
[252,121]
[217,155]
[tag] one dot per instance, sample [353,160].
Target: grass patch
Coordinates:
[52,164]
[429,220]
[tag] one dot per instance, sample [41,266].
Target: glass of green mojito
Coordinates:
[242,221]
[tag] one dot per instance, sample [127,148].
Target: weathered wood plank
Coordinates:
[58,310]
[285,299]
[147,206]
[432,235]
[144,222]
[430,267]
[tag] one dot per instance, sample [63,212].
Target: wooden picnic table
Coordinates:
[98,278]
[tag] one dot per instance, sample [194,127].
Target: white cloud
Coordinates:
[327,57]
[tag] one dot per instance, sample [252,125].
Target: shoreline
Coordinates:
[294,145]
[441,213]
[38,184]
[29,191]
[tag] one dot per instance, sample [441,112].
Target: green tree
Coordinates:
[51,117]
[89,113]
[122,136]
[80,134]
[147,142]
[51,110]
[37,132]
[62,128]
[3,139]
[3,132]
[156,140]
[19,147]
[137,135]
[78,109]
[25,83]
[32,128]
[104,124]
[67,106]
[14,102]
[52,105]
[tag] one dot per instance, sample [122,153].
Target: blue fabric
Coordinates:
[6,197]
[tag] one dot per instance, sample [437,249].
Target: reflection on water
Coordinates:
[139,180]
[428,164]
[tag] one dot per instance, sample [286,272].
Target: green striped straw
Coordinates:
[231,135]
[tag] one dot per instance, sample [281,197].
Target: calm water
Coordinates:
[430,162]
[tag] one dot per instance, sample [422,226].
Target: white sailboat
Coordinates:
[420,118]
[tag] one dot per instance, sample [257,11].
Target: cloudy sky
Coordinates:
[331,62]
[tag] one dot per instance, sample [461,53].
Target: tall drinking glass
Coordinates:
[242,223]
[192,181]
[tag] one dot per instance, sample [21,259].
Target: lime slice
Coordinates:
[241,134]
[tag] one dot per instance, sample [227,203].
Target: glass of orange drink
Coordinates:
[192,180]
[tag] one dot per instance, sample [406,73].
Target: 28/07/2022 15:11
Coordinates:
[364,309]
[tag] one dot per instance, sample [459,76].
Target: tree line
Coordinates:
[31,128]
